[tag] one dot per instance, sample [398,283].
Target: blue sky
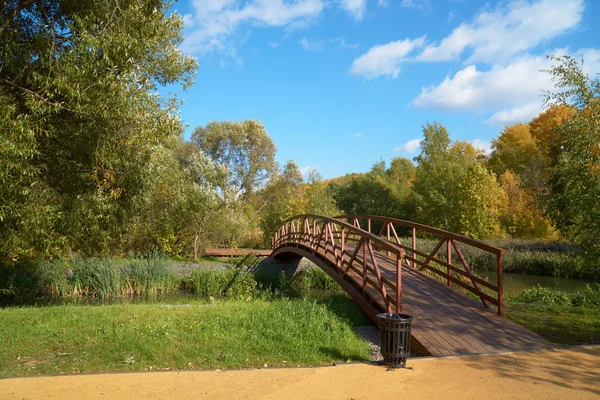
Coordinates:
[340,85]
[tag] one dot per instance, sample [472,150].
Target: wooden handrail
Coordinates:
[329,237]
[426,228]
[349,247]
[450,239]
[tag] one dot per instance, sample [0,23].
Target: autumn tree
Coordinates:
[518,151]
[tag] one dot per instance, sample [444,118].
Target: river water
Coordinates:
[517,283]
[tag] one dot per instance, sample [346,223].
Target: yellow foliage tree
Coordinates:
[521,217]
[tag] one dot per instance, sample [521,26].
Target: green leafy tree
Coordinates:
[80,118]
[245,149]
[279,197]
[574,201]
[452,189]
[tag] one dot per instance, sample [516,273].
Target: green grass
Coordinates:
[232,334]
[560,325]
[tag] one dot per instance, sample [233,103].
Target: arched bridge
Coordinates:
[456,312]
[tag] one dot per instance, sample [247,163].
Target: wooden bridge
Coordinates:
[384,273]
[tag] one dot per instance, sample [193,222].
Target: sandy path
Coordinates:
[549,374]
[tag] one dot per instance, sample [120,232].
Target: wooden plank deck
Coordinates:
[446,321]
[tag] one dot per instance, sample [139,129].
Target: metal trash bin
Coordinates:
[394,331]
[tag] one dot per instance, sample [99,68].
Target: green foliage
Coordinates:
[315,279]
[232,283]
[279,198]
[80,118]
[574,202]
[588,298]
[541,295]
[244,148]
[378,192]
[452,190]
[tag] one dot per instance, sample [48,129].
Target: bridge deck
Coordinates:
[447,322]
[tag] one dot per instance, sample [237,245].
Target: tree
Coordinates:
[315,199]
[574,201]
[245,148]
[544,129]
[521,216]
[517,150]
[80,117]
[453,191]
[280,196]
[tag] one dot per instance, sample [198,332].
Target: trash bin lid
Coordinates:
[395,316]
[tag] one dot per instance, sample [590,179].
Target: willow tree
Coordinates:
[80,116]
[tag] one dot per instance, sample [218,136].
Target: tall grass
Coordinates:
[587,298]
[103,277]
[232,283]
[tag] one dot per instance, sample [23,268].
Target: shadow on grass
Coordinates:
[338,356]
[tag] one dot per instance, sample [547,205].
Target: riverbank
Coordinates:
[531,375]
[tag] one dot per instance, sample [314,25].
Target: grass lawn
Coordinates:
[228,334]
[561,325]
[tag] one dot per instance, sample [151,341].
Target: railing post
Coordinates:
[388,236]
[369,225]
[399,258]
[343,248]
[449,260]
[364,282]
[414,246]
[314,234]
[499,283]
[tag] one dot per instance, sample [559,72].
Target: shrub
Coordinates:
[541,295]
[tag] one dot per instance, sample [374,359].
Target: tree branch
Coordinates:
[16,12]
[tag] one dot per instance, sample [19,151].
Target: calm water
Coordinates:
[517,283]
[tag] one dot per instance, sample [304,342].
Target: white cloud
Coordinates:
[357,135]
[356,8]
[482,145]
[382,3]
[513,115]
[499,34]
[409,147]
[341,42]
[307,170]
[501,87]
[384,59]
[512,92]
[312,45]
[214,21]
[423,5]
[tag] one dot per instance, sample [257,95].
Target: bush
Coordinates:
[541,295]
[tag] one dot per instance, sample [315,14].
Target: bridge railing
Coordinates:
[445,268]
[352,250]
